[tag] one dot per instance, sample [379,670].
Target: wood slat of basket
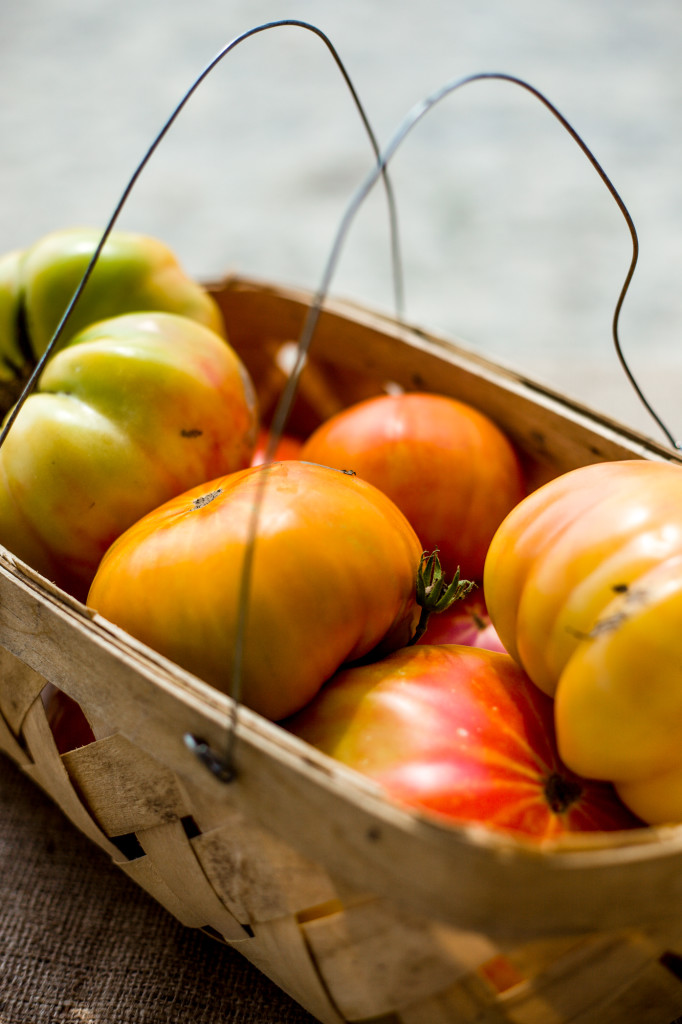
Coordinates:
[169,848]
[279,950]
[260,877]
[462,876]
[602,976]
[375,961]
[21,688]
[125,789]
[45,768]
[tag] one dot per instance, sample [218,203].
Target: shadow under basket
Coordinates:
[360,910]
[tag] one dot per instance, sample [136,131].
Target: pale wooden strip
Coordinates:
[19,687]
[48,772]
[375,962]
[580,982]
[170,850]
[652,996]
[258,875]
[279,950]
[10,745]
[125,788]
[144,873]
[467,1002]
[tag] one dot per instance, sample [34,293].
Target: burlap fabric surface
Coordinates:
[81,944]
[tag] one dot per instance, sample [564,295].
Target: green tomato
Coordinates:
[133,273]
[132,411]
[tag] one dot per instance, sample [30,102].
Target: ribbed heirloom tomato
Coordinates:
[133,273]
[129,410]
[584,585]
[134,410]
[449,468]
[333,578]
[462,733]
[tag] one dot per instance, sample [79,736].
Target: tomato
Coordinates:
[333,578]
[287,447]
[132,411]
[465,622]
[447,466]
[133,273]
[461,733]
[583,584]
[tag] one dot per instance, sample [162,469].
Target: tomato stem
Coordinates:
[561,792]
[433,593]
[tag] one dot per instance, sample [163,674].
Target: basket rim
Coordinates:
[503,885]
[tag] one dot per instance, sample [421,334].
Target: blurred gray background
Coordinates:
[510,240]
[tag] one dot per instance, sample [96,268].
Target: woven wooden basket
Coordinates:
[359,910]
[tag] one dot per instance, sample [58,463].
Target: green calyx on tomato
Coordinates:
[434,594]
[133,273]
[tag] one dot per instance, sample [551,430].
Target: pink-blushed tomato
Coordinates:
[462,733]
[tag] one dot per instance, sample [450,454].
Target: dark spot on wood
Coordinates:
[194,432]
[620,588]
[374,833]
[129,845]
[190,827]
[673,963]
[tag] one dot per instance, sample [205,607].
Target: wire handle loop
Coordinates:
[286,399]
[413,118]
[393,222]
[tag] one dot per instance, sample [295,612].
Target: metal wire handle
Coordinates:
[227,766]
[392,212]
[412,119]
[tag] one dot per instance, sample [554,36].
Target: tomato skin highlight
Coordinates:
[447,466]
[461,733]
[584,584]
[333,579]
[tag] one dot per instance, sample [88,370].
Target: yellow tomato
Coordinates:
[583,582]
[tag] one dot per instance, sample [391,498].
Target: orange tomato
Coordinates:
[333,579]
[447,466]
